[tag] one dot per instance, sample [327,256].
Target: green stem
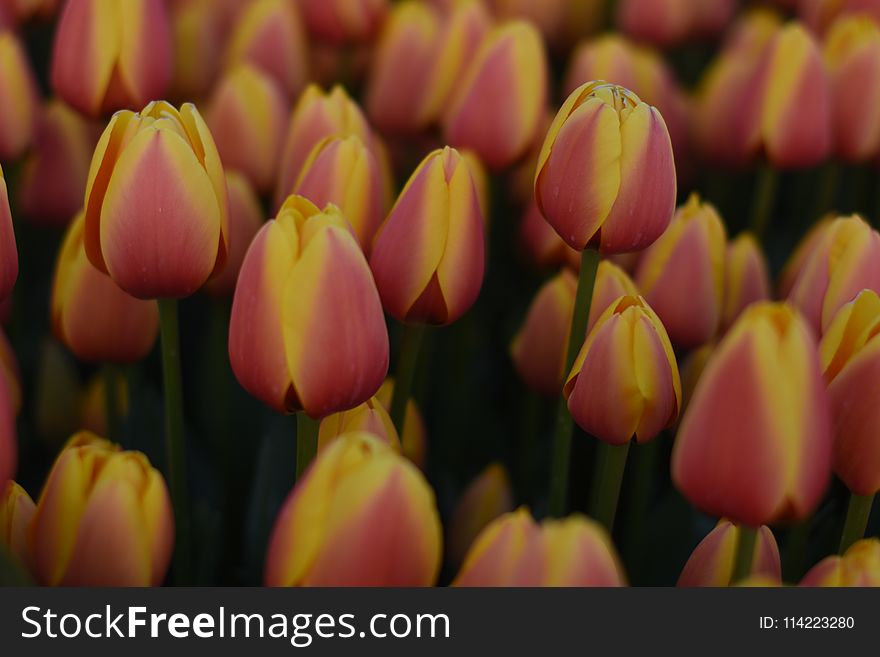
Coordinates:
[607,481]
[856,520]
[564,423]
[175,451]
[112,406]
[306,442]
[641,494]
[796,543]
[745,552]
[764,200]
[405,373]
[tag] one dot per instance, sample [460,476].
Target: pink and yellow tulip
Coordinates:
[414,437]
[8,248]
[746,278]
[19,98]
[198,32]
[860,566]
[16,512]
[712,561]
[369,417]
[344,21]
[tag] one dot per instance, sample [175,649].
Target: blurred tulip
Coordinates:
[844,260]
[20,11]
[370,417]
[661,22]
[19,98]
[755,443]
[164,239]
[860,566]
[511,65]
[802,253]
[711,563]
[93,403]
[821,14]
[8,248]
[8,432]
[692,369]
[606,174]
[428,256]
[345,172]
[247,116]
[95,319]
[625,381]
[103,519]
[682,274]
[362,516]
[56,395]
[548,16]
[111,55]
[53,178]
[307,330]
[16,512]
[245,219]
[414,438]
[197,32]
[10,372]
[515,551]
[481,183]
[746,278]
[542,244]
[344,21]
[488,496]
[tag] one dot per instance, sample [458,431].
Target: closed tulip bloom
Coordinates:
[8,248]
[269,34]
[344,21]
[755,443]
[19,98]
[803,252]
[860,566]
[625,381]
[852,53]
[844,261]
[307,330]
[345,172]
[370,417]
[111,55]
[821,15]
[16,511]
[361,516]
[164,239]
[488,496]
[428,256]
[746,278]
[103,519]
[662,22]
[197,32]
[514,550]
[711,563]
[414,437]
[511,64]
[606,174]
[247,116]
[481,183]
[682,274]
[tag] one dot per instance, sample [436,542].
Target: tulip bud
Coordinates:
[511,64]
[606,173]
[165,238]
[819,15]
[93,403]
[307,330]
[16,511]
[103,519]
[197,32]
[514,550]
[344,172]
[682,274]
[361,516]
[370,417]
[111,55]
[19,98]
[746,279]
[8,248]
[486,497]
[95,319]
[428,256]
[711,563]
[481,183]
[414,437]
[343,21]
[755,443]
[860,566]
[844,260]
[269,34]
[661,22]
[802,253]
[626,364]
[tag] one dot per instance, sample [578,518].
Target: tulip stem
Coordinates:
[564,423]
[856,520]
[175,451]
[607,481]
[405,373]
[112,406]
[306,442]
[745,552]
[764,200]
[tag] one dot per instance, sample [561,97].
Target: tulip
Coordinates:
[103,519]
[19,98]
[53,178]
[345,172]
[860,566]
[755,443]
[362,516]
[852,54]
[16,511]
[370,417]
[711,563]
[344,21]
[269,34]
[428,256]
[111,55]
[95,319]
[822,14]
[682,274]
[481,183]
[514,550]
[662,22]
[844,260]
[511,65]
[8,249]
[414,436]
[746,279]
[165,239]
[487,497]
[802,253]
[606,174]
[307,330]
[197,33]
[543,245]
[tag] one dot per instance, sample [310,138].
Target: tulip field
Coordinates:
[470,293]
